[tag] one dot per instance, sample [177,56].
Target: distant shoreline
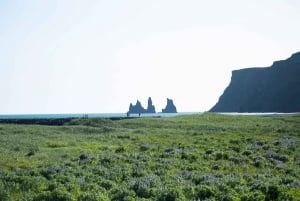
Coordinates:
[90,115]
[61,119]
[51,121]
[56,120]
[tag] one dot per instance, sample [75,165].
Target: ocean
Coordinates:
[90,115]
[116,115]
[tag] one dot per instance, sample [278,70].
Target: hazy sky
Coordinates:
[82,56]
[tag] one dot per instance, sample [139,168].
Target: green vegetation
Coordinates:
[195,157]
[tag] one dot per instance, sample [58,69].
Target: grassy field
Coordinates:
[194,157]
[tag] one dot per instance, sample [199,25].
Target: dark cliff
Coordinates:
[271,89]
[170,107]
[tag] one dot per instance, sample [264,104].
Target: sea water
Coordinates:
[90,115]
[116,115]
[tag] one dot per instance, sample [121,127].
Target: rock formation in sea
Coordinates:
[139,109]
[269,89]
[170,107]
[151,107]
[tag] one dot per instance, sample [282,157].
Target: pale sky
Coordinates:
[88,56]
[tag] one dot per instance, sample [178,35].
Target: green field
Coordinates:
[193,157]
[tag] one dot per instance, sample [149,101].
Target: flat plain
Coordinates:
[192,157]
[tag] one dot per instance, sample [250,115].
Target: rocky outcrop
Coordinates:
[271,89]
[139,109]
[170,108]
[151,107]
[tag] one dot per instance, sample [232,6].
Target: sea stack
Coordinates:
[150,108]
[139,109]
[170,107]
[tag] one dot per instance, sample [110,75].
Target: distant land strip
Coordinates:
[52,121]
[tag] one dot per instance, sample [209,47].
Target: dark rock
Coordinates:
[150,108]
[139,109]
[170,108]
[271,89]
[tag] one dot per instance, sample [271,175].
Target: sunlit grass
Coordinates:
[194,157]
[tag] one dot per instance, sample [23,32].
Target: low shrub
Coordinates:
[107,184]
[209,151]
[170,194]
[4,196]
[235,159]
[235,148]
[253,196]
[258,162]
[170,149]
[93,196]
[221,155]
[145,147]
[120,149]
[272,192]
[204,192]
[122,194]
[189,156]
[247,153]
[57,195]
[272,155]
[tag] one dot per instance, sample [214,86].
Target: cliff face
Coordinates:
[270,89]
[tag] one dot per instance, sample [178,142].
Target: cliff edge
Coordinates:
[270,89]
